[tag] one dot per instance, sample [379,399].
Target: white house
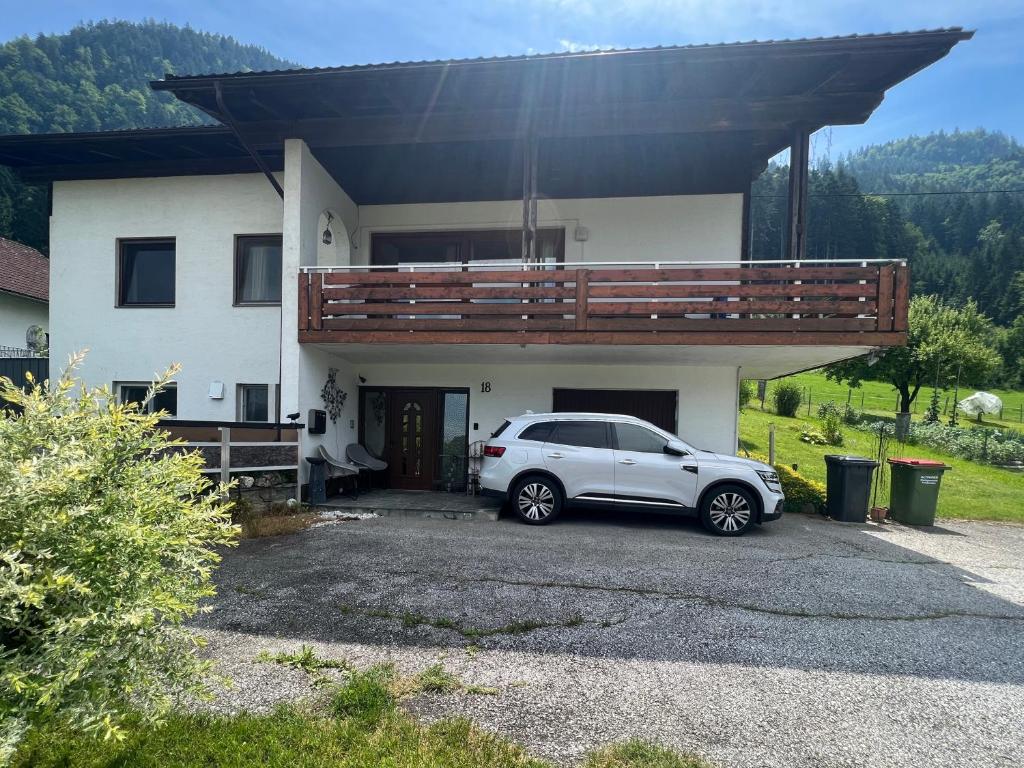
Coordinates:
[449,243]
[24,298]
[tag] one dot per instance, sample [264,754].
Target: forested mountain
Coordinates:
[95,78]
[966,242]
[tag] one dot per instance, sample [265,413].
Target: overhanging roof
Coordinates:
[631,122]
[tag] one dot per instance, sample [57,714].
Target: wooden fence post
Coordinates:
[771,444]
[225,455]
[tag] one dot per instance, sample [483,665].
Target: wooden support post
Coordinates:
[799,175]
[886,278]
[316,301]
[901,298]
[225,455]
[304,301]
[582,298]
[771,444]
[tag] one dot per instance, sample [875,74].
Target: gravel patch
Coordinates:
[805,643]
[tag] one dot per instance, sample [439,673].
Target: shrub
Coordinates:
[746,393]
[814,437]
[831,423]
[786,397]
[850,416]
[107,543]
[798,490]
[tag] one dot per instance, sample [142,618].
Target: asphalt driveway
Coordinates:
[805,643]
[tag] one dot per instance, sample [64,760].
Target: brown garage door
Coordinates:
[653,405]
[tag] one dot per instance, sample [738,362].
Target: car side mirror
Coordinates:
[675,449]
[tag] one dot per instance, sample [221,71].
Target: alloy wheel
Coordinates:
[730,512]
[536,501]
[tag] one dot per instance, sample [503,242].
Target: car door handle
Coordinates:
[555,456]
[628,462]
[689,468]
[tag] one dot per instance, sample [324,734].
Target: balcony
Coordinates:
[858,304]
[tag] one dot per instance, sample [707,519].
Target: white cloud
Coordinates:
[572,46]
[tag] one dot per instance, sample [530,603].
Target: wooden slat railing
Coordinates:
[859,305]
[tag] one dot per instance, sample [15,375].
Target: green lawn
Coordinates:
[880,399]
[970,491]
[363,727]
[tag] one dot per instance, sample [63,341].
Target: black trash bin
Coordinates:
[317,480]
[849,487]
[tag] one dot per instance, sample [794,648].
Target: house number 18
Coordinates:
[485,386]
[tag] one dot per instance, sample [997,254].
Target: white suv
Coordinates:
[540,462]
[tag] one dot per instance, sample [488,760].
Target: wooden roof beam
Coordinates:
[589,120]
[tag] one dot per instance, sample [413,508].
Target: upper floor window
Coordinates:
[258,269]
[145,273]
[485,245]
[135,392]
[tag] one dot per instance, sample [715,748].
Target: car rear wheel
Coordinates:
[537,500]
[728,510]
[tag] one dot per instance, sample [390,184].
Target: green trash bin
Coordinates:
[915,490]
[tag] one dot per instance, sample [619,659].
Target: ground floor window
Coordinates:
[254,402]
[421,432]
[135,392]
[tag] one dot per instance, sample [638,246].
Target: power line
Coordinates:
[904,194]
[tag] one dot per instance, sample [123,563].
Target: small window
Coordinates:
[253,402]
[631,437]
[502,428]
[145,273]
[135,392]
[539,431]
[258,269]
[585,434]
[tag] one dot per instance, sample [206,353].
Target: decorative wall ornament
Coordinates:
[334,397]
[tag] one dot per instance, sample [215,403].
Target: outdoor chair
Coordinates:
[342,469]
[361,457]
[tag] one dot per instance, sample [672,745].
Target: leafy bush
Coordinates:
[831,423]
[107,543]
[850,415]
[746,393]
[798,490]
[786,397]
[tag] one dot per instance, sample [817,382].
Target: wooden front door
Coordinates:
[412,434]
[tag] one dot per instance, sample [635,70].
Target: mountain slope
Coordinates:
[959,161]
[95,78]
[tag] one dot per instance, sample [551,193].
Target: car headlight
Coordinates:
[771,479]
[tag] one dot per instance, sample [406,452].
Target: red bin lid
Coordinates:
[918,462]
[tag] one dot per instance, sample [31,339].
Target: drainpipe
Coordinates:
[229,121]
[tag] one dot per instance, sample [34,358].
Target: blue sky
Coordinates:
[980,84]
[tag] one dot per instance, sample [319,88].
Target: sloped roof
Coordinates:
[782,42]
[24,270]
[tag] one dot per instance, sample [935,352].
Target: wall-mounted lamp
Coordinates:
[327,236]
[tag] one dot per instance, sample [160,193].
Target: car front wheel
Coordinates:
[728,510]
[537,500]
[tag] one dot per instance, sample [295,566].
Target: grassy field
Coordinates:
[362,727]
[880,399]
[970,491]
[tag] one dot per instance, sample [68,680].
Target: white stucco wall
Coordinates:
[308,191]
[676,228]
[17,313]
[707,401]
[213,340]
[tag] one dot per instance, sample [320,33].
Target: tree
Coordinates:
[108,538]
[942,341]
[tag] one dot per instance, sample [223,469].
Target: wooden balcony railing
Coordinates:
[863,304]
